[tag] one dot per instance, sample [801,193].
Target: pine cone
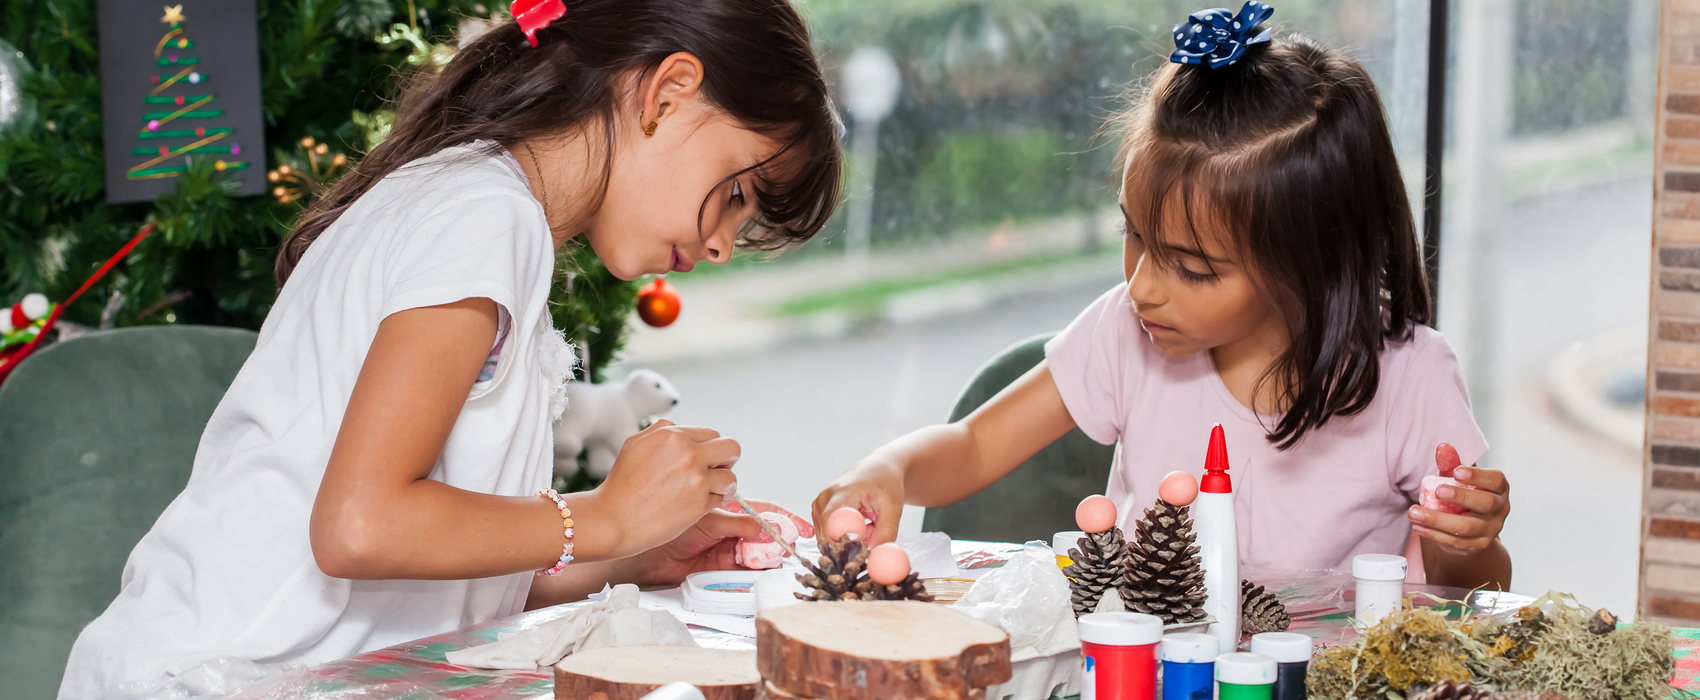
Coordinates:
[841,573]
[1163,574]
[909,588]
[1097,565]
[1261,611]
[1449,690]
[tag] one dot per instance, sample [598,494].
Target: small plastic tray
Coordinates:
[720,592]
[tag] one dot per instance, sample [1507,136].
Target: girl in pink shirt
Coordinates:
[1275,285]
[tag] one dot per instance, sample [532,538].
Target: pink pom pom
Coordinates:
[153,125]
[846,521]
[235,149]
[1178,489]
[1095,514]
[888,564]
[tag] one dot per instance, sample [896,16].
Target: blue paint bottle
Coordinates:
[1189,666]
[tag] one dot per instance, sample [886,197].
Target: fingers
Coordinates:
[1463,527]
[1446,457]
[721,485]
[1453,544]
[1479,501]
[1491,480]
[718,452]
[885,524]
[721,524]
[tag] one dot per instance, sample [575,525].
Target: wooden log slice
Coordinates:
[879,651]
[629,673]
[768,692]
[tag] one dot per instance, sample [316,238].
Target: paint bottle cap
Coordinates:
[1121,629]
[1245,668]
[1216,464]
[1189,648]
[1378,567]
[1063,541]
[1283,647]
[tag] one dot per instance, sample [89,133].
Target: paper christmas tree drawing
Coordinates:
[183,115]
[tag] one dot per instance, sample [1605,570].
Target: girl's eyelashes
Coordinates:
[737,198]
[1195,277]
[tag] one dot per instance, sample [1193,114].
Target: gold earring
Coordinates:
[649,130]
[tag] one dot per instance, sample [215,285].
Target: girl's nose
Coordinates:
[1142,288]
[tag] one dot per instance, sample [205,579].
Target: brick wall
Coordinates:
[1670,542]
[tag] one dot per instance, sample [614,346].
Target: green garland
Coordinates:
[327,67]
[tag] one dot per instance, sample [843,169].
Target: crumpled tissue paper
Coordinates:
[1029,599]
[615,622]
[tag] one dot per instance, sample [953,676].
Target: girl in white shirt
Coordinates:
[363,483]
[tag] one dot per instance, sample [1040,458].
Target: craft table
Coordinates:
[417,670]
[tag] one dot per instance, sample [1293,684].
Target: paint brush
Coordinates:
[765,526]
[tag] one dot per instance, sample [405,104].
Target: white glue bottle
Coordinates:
[1218,543]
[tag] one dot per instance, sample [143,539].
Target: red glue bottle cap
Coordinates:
[1216,465]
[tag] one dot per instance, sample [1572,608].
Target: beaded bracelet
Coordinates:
[567,523]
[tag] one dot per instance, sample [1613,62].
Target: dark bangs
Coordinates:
[1288,152]
[797,188]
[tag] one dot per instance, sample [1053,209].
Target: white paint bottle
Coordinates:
[1218,543]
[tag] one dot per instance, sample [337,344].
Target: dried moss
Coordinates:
[1631,663]
[1546,647]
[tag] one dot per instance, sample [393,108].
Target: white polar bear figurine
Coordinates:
[599,418]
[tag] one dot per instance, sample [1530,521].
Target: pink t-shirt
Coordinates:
[1342,491]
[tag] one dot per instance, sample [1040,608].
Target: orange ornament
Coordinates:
[658,303]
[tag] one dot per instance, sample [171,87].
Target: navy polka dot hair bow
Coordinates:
[1217,38]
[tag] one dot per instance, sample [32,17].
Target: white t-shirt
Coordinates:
[227,571]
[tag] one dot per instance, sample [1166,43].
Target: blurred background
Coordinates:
[982,209]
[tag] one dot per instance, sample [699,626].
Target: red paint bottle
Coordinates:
[1118,655]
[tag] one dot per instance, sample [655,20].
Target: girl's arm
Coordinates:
[943,464]
[378,516]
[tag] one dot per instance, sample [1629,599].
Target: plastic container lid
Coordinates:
[1121,629]
[1189,648]
[1063,541]
[1245,668]
[1283,647]
[1378,567]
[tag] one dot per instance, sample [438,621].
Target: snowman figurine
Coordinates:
[599,418]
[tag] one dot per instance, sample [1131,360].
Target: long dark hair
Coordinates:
[758,67]
[1288,148]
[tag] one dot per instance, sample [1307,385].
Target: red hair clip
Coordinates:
[533,15]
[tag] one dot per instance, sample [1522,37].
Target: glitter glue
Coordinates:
[1291,652]
[1218,543]
[1062,542]
[1381,586]
[1189,666]
[1118,655]
[1245,676]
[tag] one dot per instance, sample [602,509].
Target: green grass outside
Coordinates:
[868,297]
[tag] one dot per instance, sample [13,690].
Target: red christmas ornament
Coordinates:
[658,303]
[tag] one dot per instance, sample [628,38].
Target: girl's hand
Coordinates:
[666,478]
[706,546]
[1483,493]
[873,487]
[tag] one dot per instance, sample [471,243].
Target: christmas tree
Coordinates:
[181,111]
[328,68]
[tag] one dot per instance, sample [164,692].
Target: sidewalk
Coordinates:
[736,312]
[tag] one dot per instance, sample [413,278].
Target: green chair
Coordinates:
[97,435]
[1036,500]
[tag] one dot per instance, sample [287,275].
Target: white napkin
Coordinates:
[614,622]
[1029,599]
